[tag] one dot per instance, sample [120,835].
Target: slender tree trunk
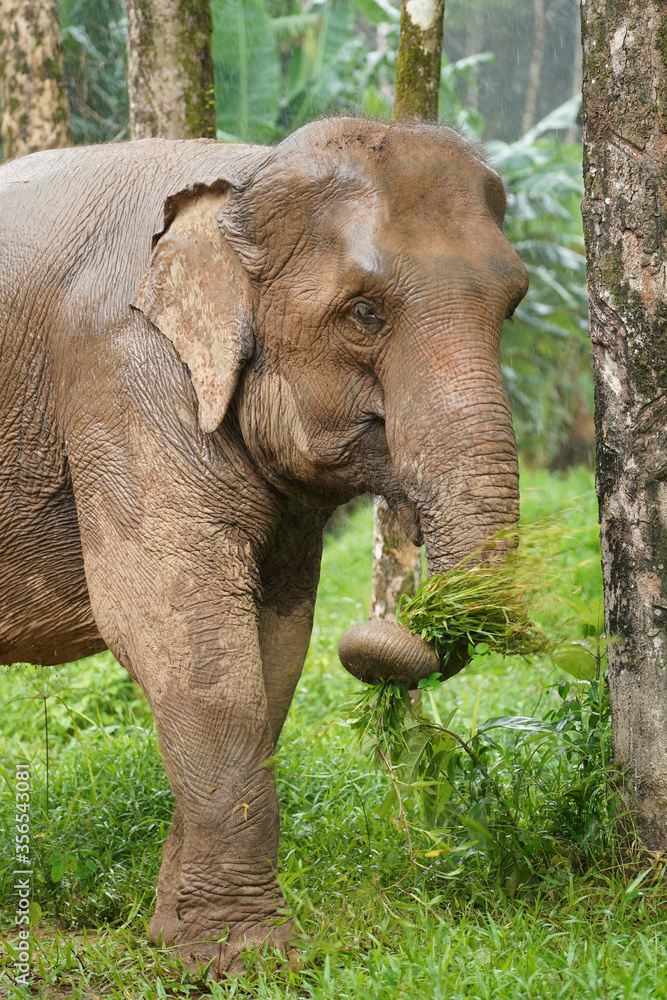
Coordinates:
[625,224]
[35,114]
[419,58]
[474,45]
[535,69]
[170,69]
[396,561]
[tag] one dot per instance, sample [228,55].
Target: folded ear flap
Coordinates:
[197,293]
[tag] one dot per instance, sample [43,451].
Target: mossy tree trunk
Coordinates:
[419,58]
[625,223]
[35,114]
[170,69]
[396,561]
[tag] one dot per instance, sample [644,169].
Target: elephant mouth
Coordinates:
[380,650]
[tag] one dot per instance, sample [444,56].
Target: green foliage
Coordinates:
[521,801]
[93,34]
[326,73]
[275,73]
[247,70]
[475,606]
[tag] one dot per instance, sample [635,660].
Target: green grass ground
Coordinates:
[372,924]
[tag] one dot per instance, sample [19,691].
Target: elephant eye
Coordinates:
[365,313]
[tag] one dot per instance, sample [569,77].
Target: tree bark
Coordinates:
[35,114]
[170,69]
[625,225]
[396,563]
[535,69]
[419,59]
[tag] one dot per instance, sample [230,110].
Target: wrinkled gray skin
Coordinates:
[317,320]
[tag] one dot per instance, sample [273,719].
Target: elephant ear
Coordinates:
[197,293]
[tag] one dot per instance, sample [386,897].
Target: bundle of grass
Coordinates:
[473,608]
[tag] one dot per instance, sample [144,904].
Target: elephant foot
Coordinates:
[165,924]
[222,959]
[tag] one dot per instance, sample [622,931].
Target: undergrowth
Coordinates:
[521,801]
[533,902]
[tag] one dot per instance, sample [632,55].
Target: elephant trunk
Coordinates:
[453,448]
[454,452]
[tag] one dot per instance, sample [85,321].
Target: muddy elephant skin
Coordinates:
[205,349]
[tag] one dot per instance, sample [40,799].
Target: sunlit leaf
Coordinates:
[575,659]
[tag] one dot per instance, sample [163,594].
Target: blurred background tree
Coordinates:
[35,114]
[170,69]
[506,63]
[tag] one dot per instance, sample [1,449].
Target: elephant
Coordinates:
[207,348]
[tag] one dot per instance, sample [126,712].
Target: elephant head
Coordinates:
[347,301]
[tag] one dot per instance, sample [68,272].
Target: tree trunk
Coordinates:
[474,45]
[419,59]
[35,114]
[625,224]
[396,563]
[170,69]
[535,69]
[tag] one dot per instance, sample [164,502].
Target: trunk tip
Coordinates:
[381,649]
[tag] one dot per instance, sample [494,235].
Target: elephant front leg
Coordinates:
[187,906]
[194,649]
[225,898]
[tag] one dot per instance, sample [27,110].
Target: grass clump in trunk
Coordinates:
[483,606]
